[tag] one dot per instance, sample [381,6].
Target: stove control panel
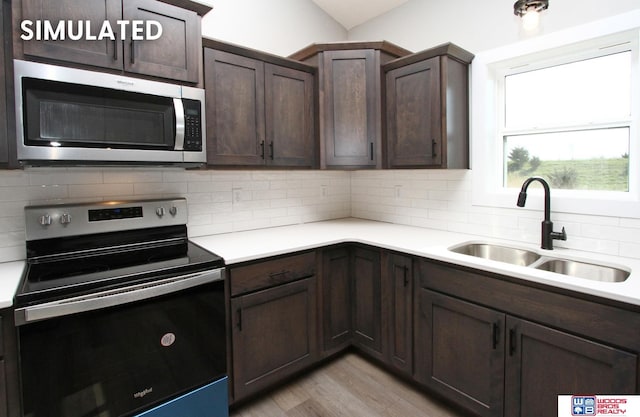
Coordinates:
[43,222]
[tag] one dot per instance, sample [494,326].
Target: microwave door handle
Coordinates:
[179,109]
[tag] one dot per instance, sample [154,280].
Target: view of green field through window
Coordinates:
[571,124]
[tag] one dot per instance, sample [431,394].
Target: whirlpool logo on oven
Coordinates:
[141,394]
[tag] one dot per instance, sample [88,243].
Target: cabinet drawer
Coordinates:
[272,272]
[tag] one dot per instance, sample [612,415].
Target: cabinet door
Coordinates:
[273,336]
[414,123]
[289,116]
[175,54]
[106,53]
[350,108]
[400,273]
[366,301]
[234,92]
[459,352]
[4,78]
[336,300]
[543,363]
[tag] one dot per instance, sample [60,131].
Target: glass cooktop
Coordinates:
[77,273]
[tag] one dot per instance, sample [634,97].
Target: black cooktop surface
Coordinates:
[79,272]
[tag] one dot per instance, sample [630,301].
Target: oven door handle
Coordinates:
[114,297]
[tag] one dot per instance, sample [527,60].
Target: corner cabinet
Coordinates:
[350,100]
[352,311]
[259,109]
[273,321]
[335,303]
[477,350]
[174,55]
[369,310]
[367,302]
[427,109]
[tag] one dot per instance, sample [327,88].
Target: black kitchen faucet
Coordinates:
[547,225]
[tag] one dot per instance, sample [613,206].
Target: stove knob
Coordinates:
[160,211]
[65,218]
[45,220]
[173,210]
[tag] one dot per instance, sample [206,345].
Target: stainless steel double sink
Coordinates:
[528,258]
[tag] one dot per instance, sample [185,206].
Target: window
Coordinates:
[569,122]
[564,106]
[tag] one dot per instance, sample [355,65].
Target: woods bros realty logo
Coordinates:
[598,405]
[46,30]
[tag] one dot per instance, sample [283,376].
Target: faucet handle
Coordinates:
[559,235]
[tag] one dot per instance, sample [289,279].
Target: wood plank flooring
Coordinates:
[348,386]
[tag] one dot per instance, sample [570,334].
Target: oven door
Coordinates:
[127,358]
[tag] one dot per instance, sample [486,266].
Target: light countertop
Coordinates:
[428,243]
[10,275]
[262,243]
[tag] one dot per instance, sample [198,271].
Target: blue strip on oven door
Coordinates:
[209,401]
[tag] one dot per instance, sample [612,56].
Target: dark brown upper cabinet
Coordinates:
[175,55]
[6,87]
[350,100]
[259,109]
[427,109]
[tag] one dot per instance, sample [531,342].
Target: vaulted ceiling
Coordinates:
[351,13]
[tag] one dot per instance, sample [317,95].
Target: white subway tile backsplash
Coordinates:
[441,199]
[224,201]
[631,250]
[14,179]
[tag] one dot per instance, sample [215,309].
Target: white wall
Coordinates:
[477,25]
[280,27]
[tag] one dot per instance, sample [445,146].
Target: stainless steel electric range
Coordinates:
[119,314]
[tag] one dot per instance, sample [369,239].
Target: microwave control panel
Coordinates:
[192,125]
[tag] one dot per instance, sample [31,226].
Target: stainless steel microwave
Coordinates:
[76,117]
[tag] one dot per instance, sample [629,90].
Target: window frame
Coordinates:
[487,114]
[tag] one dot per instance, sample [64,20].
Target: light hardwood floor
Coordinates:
[348,386]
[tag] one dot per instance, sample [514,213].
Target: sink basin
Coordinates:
[584,270]
[499,253]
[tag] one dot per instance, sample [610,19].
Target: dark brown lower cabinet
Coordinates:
[335,305]
[542,363]
[273,335]
[493,345]
[367,302]
[369,312]
[460,352]
[399,281]
[495,364]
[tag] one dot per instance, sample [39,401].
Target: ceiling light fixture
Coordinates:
[529,11]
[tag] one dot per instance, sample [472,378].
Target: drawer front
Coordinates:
[272,272]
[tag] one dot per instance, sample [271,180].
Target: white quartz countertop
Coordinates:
[428,243]
[256,244]
[10,275]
